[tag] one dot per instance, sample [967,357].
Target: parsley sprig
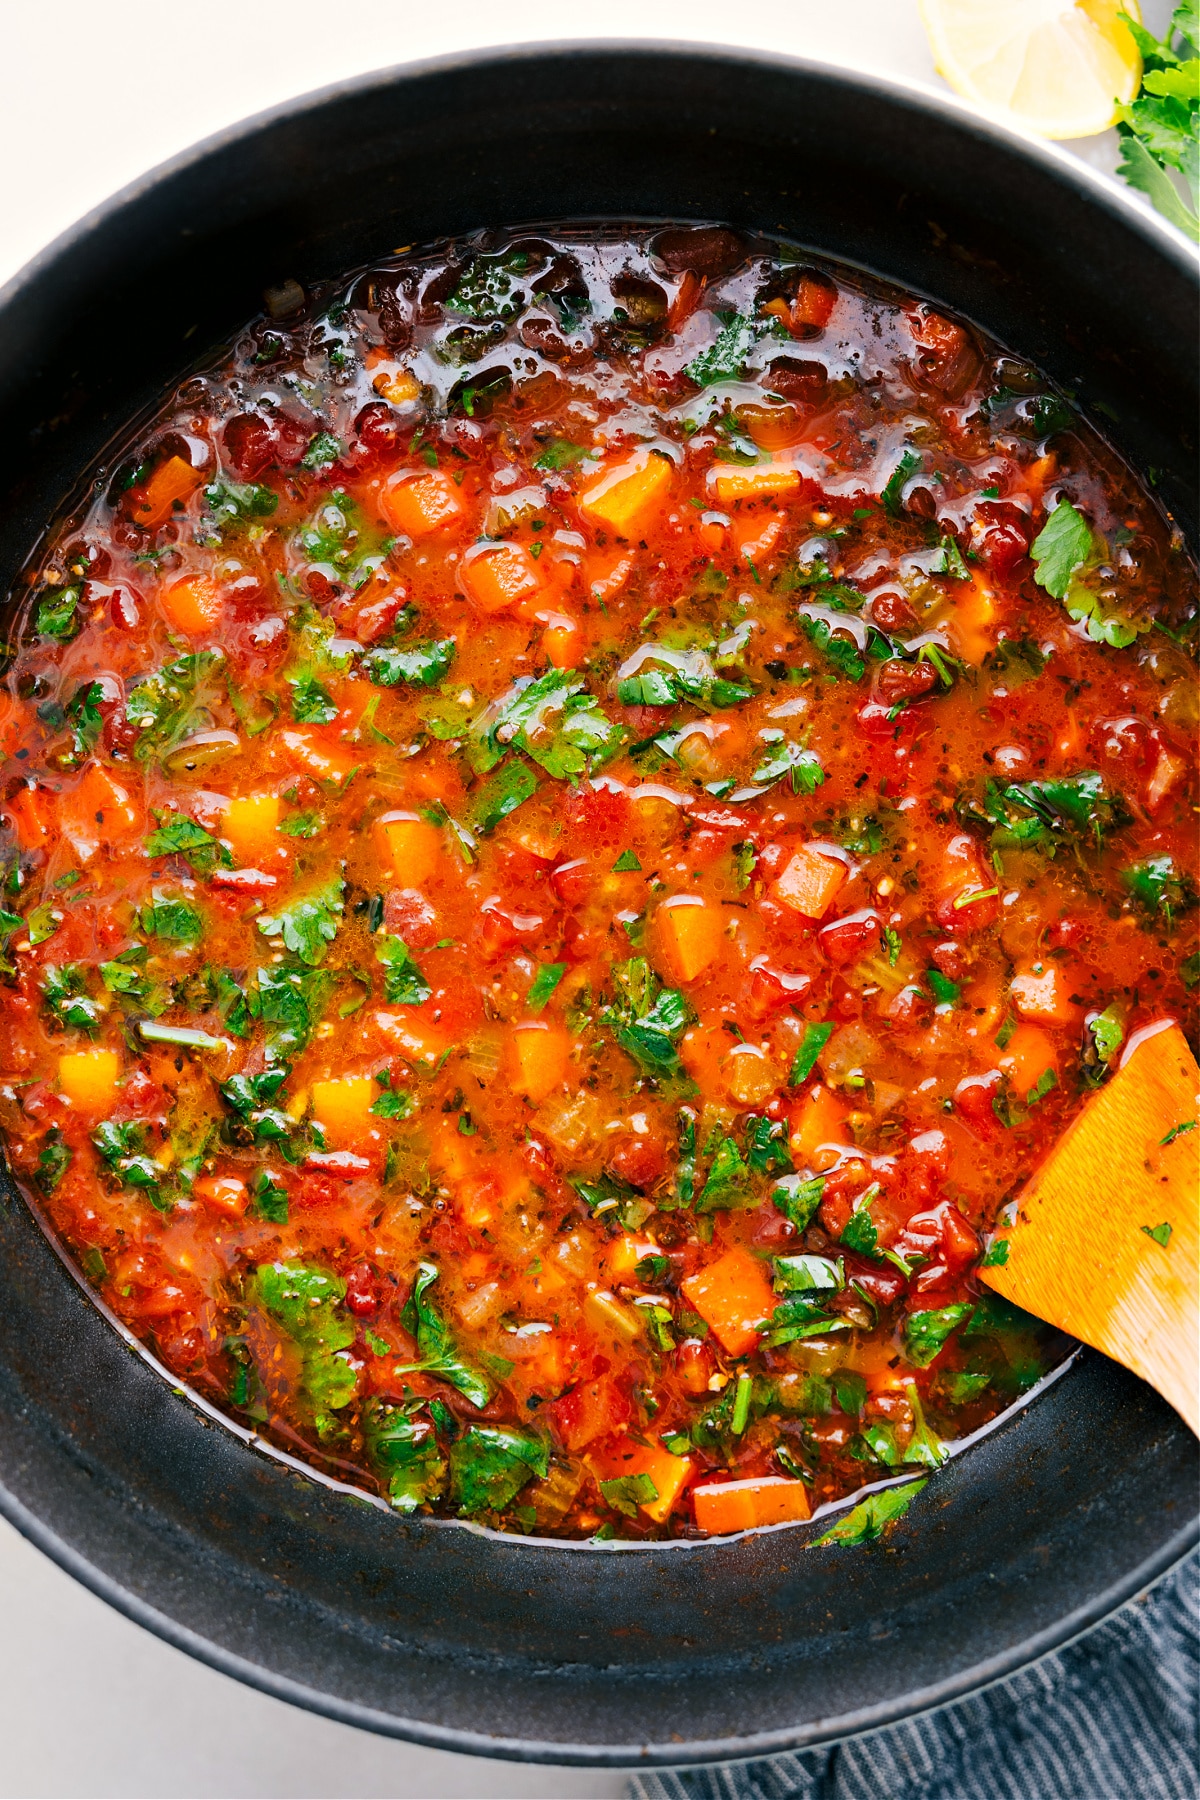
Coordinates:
[1160,132]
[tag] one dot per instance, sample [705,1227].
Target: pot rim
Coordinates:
[917,97]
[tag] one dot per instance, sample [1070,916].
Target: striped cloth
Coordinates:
[1111,1717]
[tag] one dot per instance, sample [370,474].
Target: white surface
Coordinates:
[93,92]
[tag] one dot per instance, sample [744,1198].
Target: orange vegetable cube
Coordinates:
[403,1029]
[399,386]
[1041,994]
[1026,1057]
[250,824]
[192,605]
[224,1193]
[99,811]
[724,1506]
[562,641]
[972,623]
[728,482]
[809,882]
[498,576]
[817,1128]
[418,503]
[733,1296]
[309,750]
[692,935]
[754,537]
[173,480]
[607,574]
[343,1107]
[88,1079]
[32,812]
[626,496]
[542,1055]
[668,1473]
[409,846]
[623,1255]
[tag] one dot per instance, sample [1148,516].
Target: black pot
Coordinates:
[442,1632]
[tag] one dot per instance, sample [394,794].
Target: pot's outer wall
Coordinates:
[666,1654]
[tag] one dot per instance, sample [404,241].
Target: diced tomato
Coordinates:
[362,1291]
[849,938]
[973,1098]
[772,989]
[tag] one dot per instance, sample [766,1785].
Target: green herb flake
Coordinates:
[403,982]
[926,1333]
[868,1519]
[309,924]
[1160,1233]
[490,1464]
[811,1045]
[543,985]
[439,1353]
[413,665]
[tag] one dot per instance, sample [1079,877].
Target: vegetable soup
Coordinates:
[579,812]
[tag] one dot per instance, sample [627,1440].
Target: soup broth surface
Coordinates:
[580,810]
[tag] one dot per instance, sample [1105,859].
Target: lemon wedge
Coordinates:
[1057,68]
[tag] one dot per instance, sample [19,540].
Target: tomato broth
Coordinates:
[580,810]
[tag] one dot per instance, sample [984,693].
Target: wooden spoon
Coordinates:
[1106,1243]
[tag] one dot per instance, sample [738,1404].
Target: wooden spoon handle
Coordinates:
[1107,1240]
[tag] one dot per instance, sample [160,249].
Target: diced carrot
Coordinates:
[687,298]
[498,576]
[623,1255]
[224,1193]
[810,308]
[725,1506]
[99,811]
[403,1029]
[728,482]
[607,575]
[712,530]
[421,502]
[409,846]
[88,1079]
[32,813]
[809,882]
[343,1108]
[1026,1057]
[754,537]
[625,496]
[398,386]
[817,1126]
[250,824]
[173,480]
[732,1296]
[1068,739]
[562,641]
[972,623]
[309,750]
[1041,994]
[692,935]
[668,1473]
[542,1054]
[192,604]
